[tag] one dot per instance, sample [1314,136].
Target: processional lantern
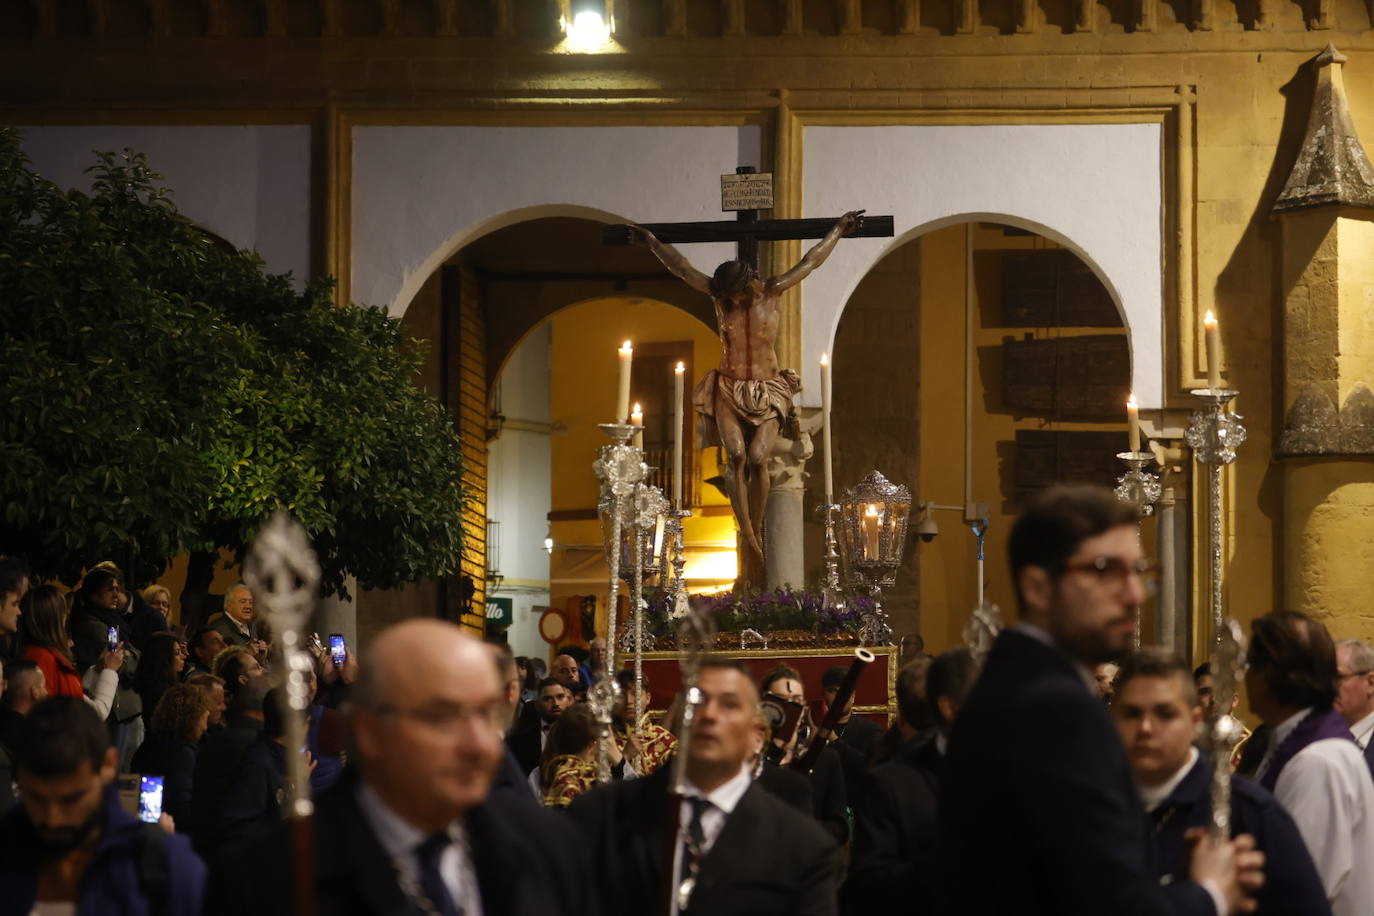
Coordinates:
[873,521]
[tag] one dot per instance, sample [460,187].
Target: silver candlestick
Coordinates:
[1140,488]
[1228,667]
[674,560]
[831,592]
[1214,435]
[873,531]
[620,467]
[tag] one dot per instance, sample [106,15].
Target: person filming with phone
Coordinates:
[69,847]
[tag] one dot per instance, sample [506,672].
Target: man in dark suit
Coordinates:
[529,736]
[1157,713]
[896,823]
[414,829]
[726,847]
[1039,811]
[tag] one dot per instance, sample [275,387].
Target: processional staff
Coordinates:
[283,571]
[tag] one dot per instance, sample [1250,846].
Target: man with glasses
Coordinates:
[415,830]
[1355,692]
[1040,814]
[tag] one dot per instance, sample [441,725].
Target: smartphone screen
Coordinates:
[337,649]
[150,799]
[112,637]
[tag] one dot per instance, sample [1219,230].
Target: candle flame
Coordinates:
[1130,402]
[872,511]
[825,359]
[680,367]
[1210,320]
[628,348]
[637,412]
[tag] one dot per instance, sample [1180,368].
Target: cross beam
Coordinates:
[764,230]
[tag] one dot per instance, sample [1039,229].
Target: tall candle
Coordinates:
[637,421]
[1209,324]
[870,532]
[1133,418]
[825,430]
[679,379]
[622,402]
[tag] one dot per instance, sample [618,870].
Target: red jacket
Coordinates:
[63,680]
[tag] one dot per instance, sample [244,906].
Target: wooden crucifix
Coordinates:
[747,401]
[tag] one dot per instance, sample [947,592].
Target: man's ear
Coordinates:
[1036,588]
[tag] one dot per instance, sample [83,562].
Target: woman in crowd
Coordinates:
[567,767]
[158,670]
[44,641]
[178,723]
[99,604]
[159,598]
[529,684]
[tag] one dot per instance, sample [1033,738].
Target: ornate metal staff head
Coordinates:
[284,574]
[1228,667]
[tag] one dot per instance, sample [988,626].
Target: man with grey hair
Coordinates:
[1355,692]
[236,625]
[415,829]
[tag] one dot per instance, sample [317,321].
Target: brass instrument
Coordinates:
[806,761]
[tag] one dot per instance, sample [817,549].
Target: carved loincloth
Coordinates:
[754,400]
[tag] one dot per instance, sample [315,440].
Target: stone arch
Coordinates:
[955,219]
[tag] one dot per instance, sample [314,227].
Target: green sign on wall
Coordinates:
[500,612]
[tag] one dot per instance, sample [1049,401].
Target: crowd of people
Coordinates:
[452,777]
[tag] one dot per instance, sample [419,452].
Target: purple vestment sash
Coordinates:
[1315,726]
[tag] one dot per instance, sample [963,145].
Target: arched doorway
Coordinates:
[494,307]
[976,363]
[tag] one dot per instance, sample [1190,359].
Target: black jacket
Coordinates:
[529,862]
[1292,886]
[829,801]
[856,747]
[788,785]
[1039,811]
[221,757]
[769,860]
[175,761]
[896,832]
[525,743]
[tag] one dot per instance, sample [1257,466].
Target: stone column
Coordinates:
[1326,210]
[784,540]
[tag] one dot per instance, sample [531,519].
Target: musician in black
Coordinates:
[725,846]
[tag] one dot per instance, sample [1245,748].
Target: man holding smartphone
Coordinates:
[70,843]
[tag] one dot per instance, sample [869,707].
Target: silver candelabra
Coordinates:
[1214,434]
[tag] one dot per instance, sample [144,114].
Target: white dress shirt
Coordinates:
[723,799]
[1363,730]
[1327,789]
[400,839]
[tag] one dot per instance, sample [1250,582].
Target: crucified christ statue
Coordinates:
[744,404]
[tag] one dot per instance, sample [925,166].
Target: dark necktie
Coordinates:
[431,882]
[696,837]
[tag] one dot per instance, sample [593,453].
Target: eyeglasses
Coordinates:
[449,720]
[1341,677]
[1114,570]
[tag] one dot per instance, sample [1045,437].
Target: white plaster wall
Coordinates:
[519,486]
[1094,188]
[421,193]
[248,184]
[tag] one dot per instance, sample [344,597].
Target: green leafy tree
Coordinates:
[160,392]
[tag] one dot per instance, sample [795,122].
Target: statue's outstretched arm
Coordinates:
[814,258]
[672,259]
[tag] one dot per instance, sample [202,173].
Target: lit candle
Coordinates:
[622,403]
[679,379]
[825,429]
[1213,352]
[870,532]
[1133,418]
[637,421]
